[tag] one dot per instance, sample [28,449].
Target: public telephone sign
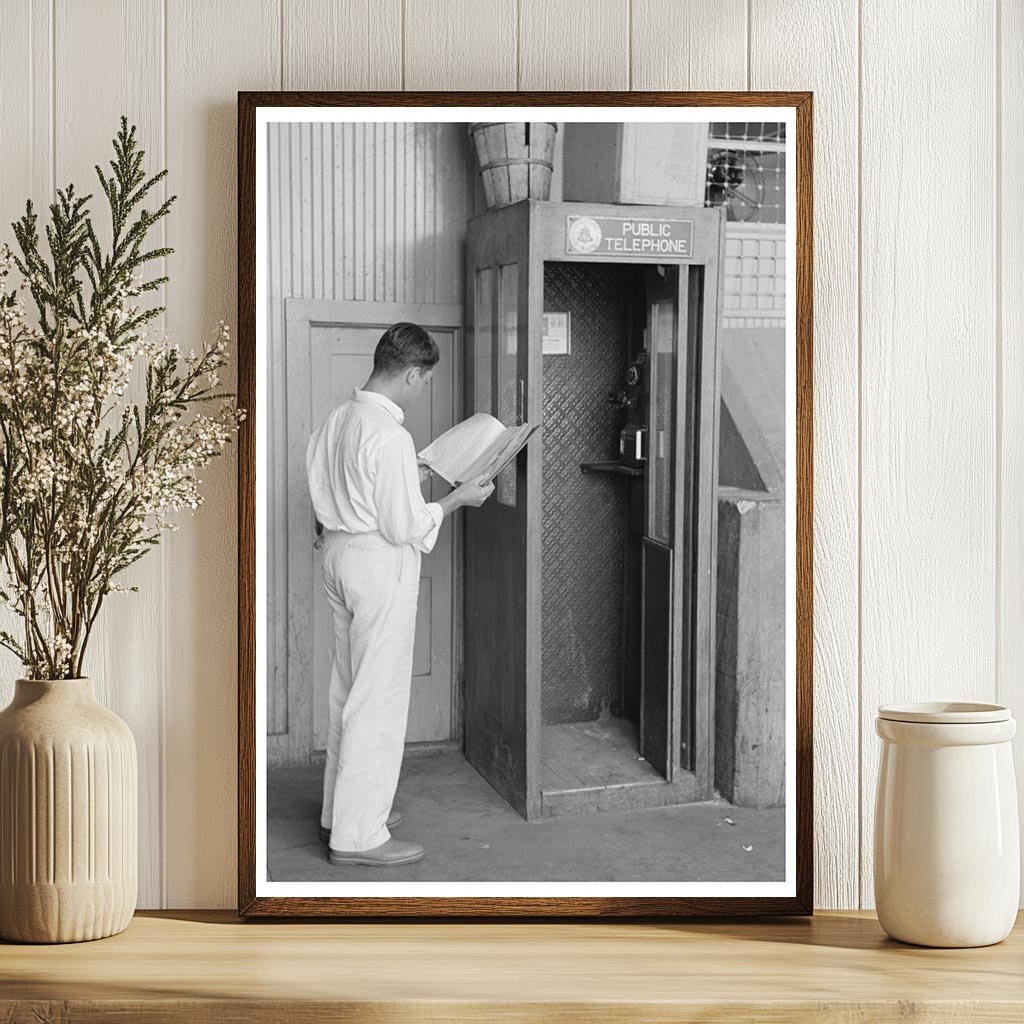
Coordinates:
[628,236]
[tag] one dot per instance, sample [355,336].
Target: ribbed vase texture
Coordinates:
[68,815]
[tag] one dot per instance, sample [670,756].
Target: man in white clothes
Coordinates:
[365,485]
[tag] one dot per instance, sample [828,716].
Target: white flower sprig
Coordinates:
[88,477]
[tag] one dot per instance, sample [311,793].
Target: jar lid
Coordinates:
[945,712]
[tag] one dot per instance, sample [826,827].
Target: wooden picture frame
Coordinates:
[798,896]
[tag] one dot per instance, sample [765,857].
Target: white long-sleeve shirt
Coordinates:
[363,477]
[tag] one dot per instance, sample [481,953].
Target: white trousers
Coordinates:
[372,586]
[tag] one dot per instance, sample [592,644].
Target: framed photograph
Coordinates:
[525,620]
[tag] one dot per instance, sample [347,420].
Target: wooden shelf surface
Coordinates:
[209,966]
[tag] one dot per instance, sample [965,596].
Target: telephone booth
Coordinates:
[588,643]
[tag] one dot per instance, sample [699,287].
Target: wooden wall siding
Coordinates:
[212,51]
[26,108]
[385,206]
[1009,272]
[928,512]
[341,44]
[831,72]
[132,678]
[469,44]
[26,119]
[574,44]
[919,347]
[699,44]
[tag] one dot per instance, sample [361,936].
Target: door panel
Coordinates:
[502,675]
[697,472]
[659,703]
[656,656]
[342,359]
[495,680]
[661,446]
[330,351]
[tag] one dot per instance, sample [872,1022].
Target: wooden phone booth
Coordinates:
[589,576]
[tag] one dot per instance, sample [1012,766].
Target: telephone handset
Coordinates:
[633,436]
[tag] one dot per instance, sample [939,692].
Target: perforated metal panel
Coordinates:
[584,514]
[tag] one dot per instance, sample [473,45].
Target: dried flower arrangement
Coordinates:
[89,477]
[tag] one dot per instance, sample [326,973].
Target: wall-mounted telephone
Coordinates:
[633,436]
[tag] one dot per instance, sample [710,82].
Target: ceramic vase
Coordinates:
[68,815]
[947,847]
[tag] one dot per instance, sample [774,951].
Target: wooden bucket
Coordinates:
[515,160]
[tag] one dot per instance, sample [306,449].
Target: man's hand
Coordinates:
[473,493]
[425,472]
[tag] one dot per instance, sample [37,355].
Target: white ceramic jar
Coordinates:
[947,846]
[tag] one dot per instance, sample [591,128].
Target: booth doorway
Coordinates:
[606,549]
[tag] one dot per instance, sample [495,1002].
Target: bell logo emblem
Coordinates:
[583,234]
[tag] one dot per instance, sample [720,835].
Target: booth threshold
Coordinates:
[596,766]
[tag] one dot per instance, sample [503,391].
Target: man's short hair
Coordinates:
[401,346]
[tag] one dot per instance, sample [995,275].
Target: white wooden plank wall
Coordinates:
[919,353]
[928,513]
[832,74]
[128,666]
[1009,313]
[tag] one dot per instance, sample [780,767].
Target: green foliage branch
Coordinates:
[92,472]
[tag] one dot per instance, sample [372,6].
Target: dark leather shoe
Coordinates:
[394,819]
[387,855]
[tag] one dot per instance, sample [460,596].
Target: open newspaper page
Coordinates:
[498,455]
[476,449]
[457,448]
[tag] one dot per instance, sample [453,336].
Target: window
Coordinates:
[661,440]
[483,340]
[746,171]
[506,360]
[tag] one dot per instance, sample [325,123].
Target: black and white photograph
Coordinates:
[525,502]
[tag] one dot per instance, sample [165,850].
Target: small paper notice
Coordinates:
[555,338]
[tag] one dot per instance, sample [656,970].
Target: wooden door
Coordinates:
[661,710]
[501,689]
[330,352]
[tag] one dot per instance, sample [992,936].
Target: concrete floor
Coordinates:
[472,835]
